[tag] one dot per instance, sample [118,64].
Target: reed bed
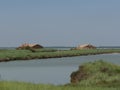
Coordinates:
[9,55]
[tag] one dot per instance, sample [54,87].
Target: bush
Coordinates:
[98,73]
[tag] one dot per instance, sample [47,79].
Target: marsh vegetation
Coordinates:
[9,55]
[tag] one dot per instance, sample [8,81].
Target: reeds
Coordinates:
[8,55]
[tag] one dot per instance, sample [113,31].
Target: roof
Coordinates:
[30,45]
[85,46]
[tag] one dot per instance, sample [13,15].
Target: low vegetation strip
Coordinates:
[9,55]
[5,85]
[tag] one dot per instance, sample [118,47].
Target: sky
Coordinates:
[59,22]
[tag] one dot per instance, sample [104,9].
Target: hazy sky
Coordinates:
[60,22]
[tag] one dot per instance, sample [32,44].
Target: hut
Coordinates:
[33,46]
[86,46]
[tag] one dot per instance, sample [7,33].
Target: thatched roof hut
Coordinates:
[86,46]
[26,45]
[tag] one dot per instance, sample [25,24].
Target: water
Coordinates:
[53,71]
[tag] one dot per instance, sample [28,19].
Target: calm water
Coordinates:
[54,71]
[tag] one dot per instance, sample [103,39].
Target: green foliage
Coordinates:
[46,50]
[5,85]
[7,55]
[98,73]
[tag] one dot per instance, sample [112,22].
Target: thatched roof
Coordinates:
[26,45]
[86,46]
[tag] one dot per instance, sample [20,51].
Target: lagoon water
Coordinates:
[49,71]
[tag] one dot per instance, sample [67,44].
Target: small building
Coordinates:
[26,45]
[86,46]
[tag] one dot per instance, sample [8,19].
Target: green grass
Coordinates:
[8,55]
[98,73]
[4,85]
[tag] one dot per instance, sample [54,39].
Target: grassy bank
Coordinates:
[98,73]
[8,55]
[29,86]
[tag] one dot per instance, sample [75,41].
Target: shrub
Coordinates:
[98,73]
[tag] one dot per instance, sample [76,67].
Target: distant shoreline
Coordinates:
[108,47]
